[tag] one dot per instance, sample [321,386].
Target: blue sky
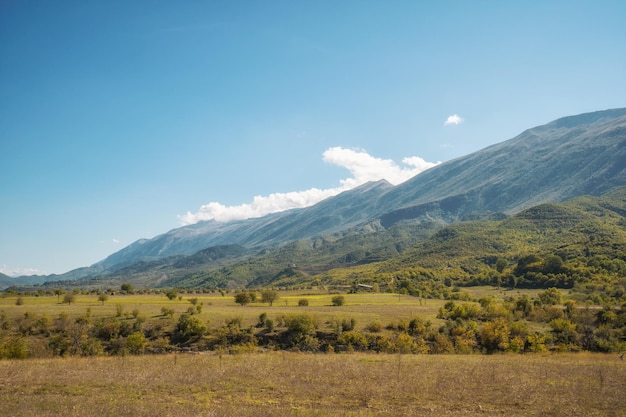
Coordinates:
[121,120]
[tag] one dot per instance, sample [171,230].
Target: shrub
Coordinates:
[374,327]
[167,312]
[243,298]
[353,339]
[347,325]
[303,302]
[13,347]
[136,343]
[188,327]
[339,300]
[551,296]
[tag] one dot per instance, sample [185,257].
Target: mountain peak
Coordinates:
[571,156]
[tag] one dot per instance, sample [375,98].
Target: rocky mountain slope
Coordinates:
[569,157]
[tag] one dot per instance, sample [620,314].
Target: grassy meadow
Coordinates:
[300,384]
[264,382]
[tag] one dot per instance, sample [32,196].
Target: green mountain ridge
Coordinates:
[587,235]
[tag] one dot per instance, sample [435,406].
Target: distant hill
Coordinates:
[570,157]
[5,281]
[580,232]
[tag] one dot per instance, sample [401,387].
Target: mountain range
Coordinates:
[569,157]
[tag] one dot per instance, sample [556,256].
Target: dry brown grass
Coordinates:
[297,384]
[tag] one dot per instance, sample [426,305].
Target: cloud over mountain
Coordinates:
[454,119]
[362,166]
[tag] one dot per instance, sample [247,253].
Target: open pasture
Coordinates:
[299,384]
[216,309]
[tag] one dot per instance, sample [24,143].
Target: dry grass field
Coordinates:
[299,384]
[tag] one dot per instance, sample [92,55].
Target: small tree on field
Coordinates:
[126,287]
[269,296]
[69,298]
[303,302]
[58,292]
[171,294]
[103,297]
[242,298]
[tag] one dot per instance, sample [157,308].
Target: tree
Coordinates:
[58,292]
[243,298]
[69,298]
[103,297]
[171,294]
[269,296]
[126,287]
[495,335]
[553,264]
[501,263]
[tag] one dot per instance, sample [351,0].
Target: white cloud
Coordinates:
[362,166]
[18,272]
[116,241]
[455,119]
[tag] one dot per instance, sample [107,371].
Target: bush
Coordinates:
[13,347]
[168,312]
[189,327]
[136,343]
[339,300]
[303,302]
[353,339]
[347,325]
[374,327]
[243,298]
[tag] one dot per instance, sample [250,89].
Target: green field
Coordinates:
[217,308]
